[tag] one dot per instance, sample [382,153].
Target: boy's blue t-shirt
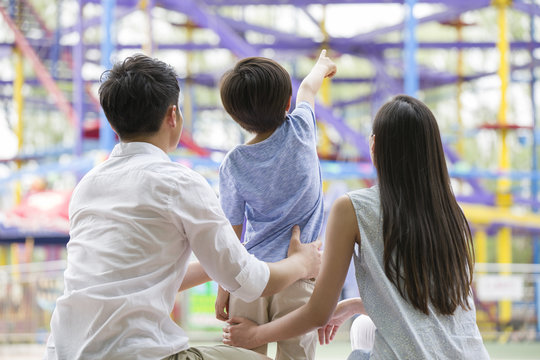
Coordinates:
[275,184]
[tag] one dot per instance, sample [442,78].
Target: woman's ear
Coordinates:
[372,148]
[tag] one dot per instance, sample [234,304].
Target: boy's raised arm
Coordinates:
[324,67]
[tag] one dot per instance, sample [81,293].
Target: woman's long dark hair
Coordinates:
[428,252]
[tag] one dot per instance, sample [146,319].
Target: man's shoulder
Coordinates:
[153,169]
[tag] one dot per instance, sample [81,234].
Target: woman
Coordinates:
[414,261]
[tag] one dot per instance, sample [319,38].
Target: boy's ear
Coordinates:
[289,104]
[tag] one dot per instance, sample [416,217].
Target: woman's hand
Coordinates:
[344,310]
[241,332]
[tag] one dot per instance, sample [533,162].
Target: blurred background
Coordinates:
[473,62]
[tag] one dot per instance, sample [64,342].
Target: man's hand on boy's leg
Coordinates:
[222,304]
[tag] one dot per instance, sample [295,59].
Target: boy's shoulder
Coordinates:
[233,155]
[303,108]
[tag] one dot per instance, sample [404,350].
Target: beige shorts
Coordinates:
[217,352]
[269,308]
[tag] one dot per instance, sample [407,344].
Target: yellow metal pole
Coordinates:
[187,107]
[148,46]
[3,255]
[14,261]
[28,249]
[460,147]
[326,145]
[504,197]
[480,248]
[19,105]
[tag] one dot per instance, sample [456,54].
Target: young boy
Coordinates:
[135,220]
[273,181]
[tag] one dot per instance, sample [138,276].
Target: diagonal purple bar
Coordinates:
[204,16]
[531,9]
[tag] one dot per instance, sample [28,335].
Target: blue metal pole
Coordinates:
[78,83]
[534,168]
[534,182]
[410,47]
[11,8]
[106,134]
[55,51]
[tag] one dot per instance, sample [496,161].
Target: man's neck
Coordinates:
[154,140]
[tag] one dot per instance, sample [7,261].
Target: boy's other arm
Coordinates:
[195,275]
[324,67]
[238,230]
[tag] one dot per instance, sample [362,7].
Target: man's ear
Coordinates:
[171,116]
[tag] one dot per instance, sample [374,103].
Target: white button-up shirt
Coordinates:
[134,221]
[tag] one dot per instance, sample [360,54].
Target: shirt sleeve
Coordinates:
[196,211]
[232,203]
[303,117]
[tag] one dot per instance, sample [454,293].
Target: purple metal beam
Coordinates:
[307,46]
[310,17]
[204,16]
[531,9]
[344,130]
[428,81]
[302,3]
[245,26]
[120,12]
[447,15]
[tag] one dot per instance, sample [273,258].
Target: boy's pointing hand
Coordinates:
[325,61]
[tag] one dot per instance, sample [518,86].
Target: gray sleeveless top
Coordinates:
[402,331]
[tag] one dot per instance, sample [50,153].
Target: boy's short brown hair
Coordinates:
[256,94]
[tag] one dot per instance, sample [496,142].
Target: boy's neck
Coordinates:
[260,137]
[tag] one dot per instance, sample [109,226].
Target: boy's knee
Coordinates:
[362,333]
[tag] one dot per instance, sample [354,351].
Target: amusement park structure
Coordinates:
[56,65]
